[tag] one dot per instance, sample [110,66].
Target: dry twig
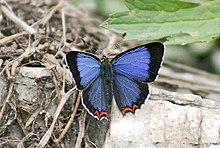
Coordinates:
[11,38]
[16,20]
[51,12]
[70,120]
[81,133]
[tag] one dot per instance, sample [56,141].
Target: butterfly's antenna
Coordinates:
[119,42]
[85,43]
[89,46]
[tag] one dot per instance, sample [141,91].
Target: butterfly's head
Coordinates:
[104,59]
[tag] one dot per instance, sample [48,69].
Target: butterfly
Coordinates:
[123,78]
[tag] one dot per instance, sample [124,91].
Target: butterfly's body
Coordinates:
[107,76]
[123,78]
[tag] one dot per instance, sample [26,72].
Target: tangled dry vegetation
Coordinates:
[39,34]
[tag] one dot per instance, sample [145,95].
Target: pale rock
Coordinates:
[167,119]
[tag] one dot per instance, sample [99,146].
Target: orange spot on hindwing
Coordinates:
[128,109]
[101,114]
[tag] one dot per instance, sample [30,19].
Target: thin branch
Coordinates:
[11,86]
[70,120]
[28,52]
[17,20]
[11,38]
[51,12]
[190,69]
[63,25]
[81,130]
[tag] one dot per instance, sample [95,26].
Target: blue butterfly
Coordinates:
[125,78]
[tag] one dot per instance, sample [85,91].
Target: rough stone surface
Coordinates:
[168,119]
[26,85]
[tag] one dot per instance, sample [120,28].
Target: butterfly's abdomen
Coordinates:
[107,75]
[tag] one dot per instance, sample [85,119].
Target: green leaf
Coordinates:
[158,5]
[175,21]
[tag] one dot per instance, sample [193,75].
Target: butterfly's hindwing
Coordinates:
[96,99]
[141,63]
[84,67]
[129,94]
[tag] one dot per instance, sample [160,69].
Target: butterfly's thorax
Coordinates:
[106,71]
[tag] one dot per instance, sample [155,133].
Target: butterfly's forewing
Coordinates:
[141,63]
[86,72]
[133,68]
[84,67]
